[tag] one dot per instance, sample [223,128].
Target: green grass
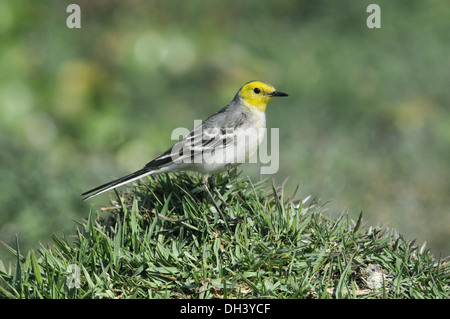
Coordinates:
[165,240]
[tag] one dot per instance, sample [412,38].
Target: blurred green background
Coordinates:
[366,125]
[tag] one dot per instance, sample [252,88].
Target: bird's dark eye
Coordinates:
[257,90]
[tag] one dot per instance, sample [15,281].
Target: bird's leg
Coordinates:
[205,186]
[212,184]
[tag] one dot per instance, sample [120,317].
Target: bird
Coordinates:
[224,140]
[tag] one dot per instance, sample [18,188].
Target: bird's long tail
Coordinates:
[117,182]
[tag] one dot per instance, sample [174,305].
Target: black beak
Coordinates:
[278,93]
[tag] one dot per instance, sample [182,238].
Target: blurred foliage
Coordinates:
[367,123]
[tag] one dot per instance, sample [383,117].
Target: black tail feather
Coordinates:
[110,185]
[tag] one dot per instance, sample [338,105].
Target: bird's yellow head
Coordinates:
[256,94]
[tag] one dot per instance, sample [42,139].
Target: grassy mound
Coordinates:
[165,240]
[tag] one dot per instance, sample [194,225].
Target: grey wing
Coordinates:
[193,145]
[216,132]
